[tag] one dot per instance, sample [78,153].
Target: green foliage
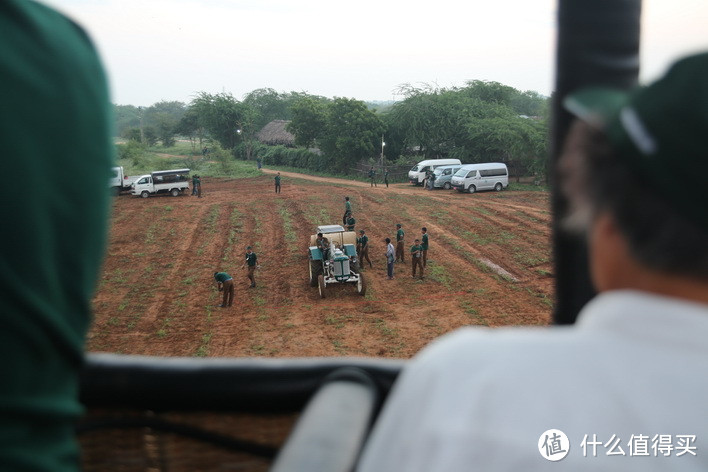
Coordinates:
[132,151]
[221,115]
[309,119]
[352,132]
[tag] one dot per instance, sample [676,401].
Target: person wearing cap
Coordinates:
[628,379]
[400,243]
[251,259]
[225,283]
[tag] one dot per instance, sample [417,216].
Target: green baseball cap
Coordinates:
[660,130]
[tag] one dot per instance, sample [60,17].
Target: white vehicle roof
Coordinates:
[485,165]
[172,171]
[439,169]
[330,229]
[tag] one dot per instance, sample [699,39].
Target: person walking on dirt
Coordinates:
[195,178]
[363,248]
[417,257]
[372,177]
[225,283]
[251,262]
[347,210]
[259,163]
[197,182]
[277,182]
[389,258]
[400,244]
[351,223]
[424,245]
[386,177]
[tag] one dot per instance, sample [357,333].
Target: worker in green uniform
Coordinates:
[323,245]
[225,283]
[277,183]
[347,210]
[424,245]
[55,121]
[417,257]
[351,223]
[251,263]
[372,177]
[400,243]
[363,248]
[386,177]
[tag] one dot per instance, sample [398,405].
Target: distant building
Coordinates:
[274,134]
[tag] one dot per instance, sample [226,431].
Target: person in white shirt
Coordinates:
[625,388]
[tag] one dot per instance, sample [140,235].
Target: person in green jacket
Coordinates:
[400,243]
[55,120]
[363,241]
[424,245]
[347,210]
[417,257]
[277,183]
[225,283]
[351,223]
[251,259]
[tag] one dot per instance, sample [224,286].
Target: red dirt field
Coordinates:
[488,264]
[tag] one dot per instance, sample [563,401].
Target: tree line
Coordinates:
[478,122]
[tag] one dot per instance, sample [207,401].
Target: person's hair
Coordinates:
[346,198]
[657,235]
[424,228]
[319,234]
[388,240]
[361,230]
[417,240]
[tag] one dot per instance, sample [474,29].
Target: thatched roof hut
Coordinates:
[274,133]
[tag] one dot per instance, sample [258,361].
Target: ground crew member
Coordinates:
[417,256]
[195,178]
[424,245]
[225,283]
[363,241]
[351,222]
[323,245]
[372,177]
[347,210]
[277,183]
[198,185]
[389,258]
[400,250]
[251,262]
[386,177]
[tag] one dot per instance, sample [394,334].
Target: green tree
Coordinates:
[222,116]
[352,132]
[308,120]
[165,125]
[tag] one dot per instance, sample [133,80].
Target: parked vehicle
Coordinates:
[173,181]
[443,175]
[473,177]
[120,182]
[417,174]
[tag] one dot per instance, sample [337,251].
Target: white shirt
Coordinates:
[635,366]
[390,251]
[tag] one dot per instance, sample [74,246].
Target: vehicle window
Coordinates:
[492,172]
[472,173]
[414,169]
[461,172]
[144,180]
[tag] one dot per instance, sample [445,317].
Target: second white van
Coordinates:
[473,177]
[417,174]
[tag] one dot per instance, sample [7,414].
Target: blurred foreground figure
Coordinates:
[624,389]
[56,158]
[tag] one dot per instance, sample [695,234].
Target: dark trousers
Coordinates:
[228,288]
[364,254]
[417,262]
[277,188]
[425,258]
[389,268]
[251,277]
[400,251]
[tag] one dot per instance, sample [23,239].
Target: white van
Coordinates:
[417,174]
[443,175]
[473,177]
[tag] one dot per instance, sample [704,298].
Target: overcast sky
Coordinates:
[171,49]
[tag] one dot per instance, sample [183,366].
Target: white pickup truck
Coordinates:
[173,181]
[120,182]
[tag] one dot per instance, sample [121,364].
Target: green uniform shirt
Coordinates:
[222,277]
[415,250]
[399,235]
[277,180]
[424,244]
[364,240]
[56,127]
[351,222]
[347,207]
[251,259]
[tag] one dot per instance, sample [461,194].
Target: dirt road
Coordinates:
[489,265]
